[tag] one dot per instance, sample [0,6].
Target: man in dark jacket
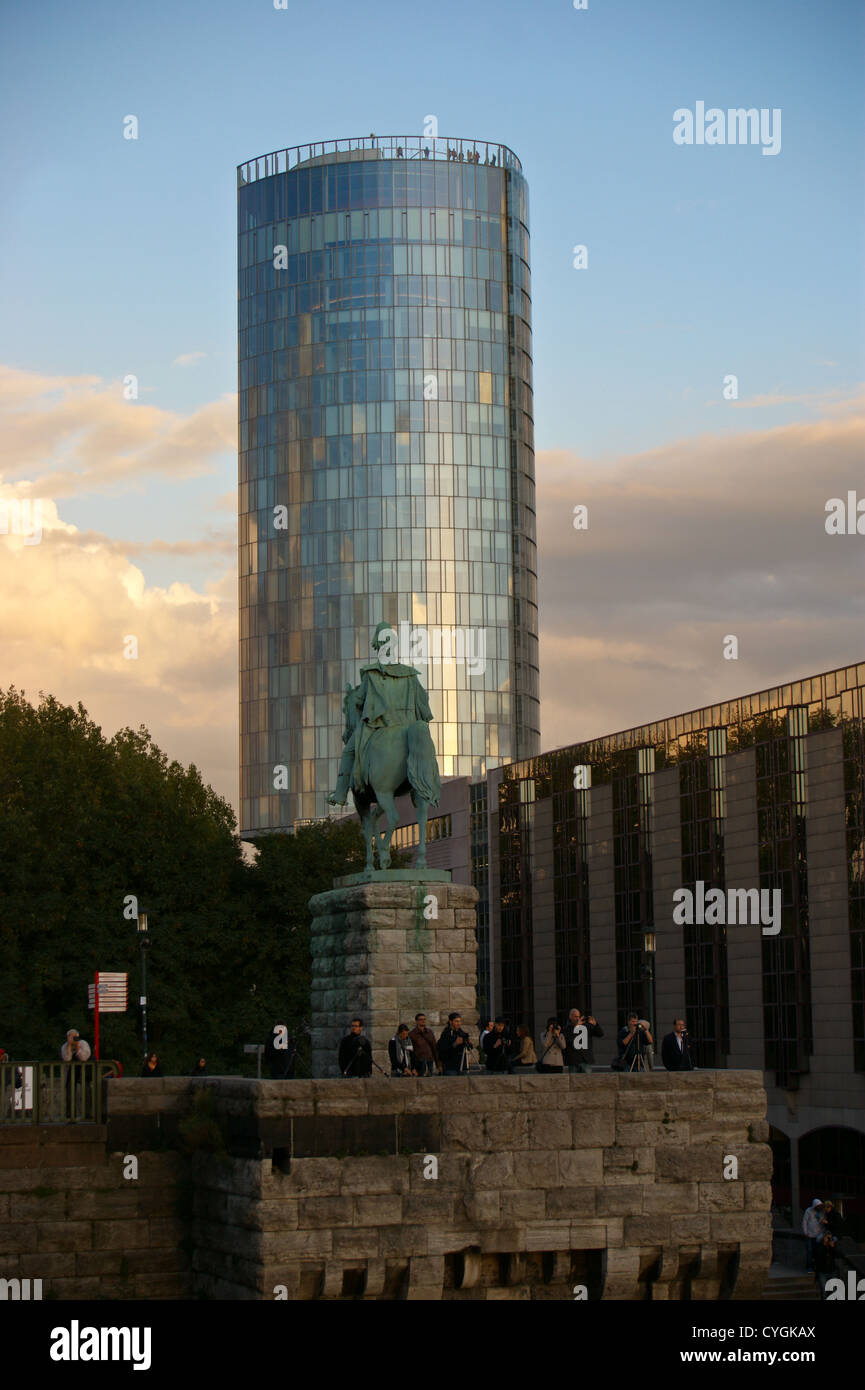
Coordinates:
[497,1047]
[355,1052]
[426,1053]
[453,1046]
[578,1058]
[675,1050]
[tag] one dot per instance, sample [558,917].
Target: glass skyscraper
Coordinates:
[386,460]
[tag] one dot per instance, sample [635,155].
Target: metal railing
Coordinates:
[416,147]
[38,1093]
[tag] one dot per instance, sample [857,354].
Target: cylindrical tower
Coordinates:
[386,460]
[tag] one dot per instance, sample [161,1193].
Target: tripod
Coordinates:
[638,1062]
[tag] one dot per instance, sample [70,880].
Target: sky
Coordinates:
[703,262]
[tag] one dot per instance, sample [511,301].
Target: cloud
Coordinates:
[188,359]
[685,545]
[71,435]
[70,602]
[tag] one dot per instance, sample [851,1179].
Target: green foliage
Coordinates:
[86,821]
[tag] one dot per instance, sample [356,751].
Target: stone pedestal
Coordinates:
[386,945]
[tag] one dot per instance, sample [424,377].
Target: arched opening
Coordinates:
[832,1164]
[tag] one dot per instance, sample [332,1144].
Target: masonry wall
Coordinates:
[616,1182]
[70,1218]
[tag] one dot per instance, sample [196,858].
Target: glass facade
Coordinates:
[386,463]
[775,724]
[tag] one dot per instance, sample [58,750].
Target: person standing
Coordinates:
[676,1050]
[151,1065]
[454,1046]
[577,1057]
[426,1054]
[401,1053]
[74,1052]
[635,1040]
[355,1051]
[553,1045]
[200,1068]
[824,1260]
[812,1229]
[525,1058]
[497,1048]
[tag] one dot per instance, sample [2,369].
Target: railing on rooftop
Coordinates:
[38,1093]
[409,147]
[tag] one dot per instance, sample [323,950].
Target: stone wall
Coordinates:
[70,1218]
[483,1187]
[543,1183]
[375,954]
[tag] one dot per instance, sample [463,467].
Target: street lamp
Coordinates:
[144,947]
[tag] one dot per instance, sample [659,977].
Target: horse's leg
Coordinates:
[388,806]
[368,824]
[422,809]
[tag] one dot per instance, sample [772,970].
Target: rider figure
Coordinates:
[389,696]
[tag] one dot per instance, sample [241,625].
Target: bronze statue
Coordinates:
[388,750]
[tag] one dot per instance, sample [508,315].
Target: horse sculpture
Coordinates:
[390,761]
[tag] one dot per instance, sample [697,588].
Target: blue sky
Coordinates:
[118,256]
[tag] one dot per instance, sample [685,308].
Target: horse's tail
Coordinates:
[422,769]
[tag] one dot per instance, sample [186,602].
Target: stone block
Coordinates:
[647,1230]
[550,1129]
[320,1212]
[320,1176]
[740,1225]
[495,1170]
[62,1265]
[283,1245]
[507,1131]
[688,1229]
[116,1235]
[758,1196]
[569,1202]
[722,1196]
[482,1208]
[594,1128]
[523,1206]
[582,1166]
[466,1132]
[354,1244]
[373,1176]
[378,1211]
[403,1240]
[163,1231]
[672,1197]
[429,1207]
[693,1162]
[538,1170]
[68,1235]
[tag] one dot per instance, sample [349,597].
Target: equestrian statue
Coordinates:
[388,749]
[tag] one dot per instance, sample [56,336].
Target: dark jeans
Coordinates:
[425,1068]
[554,1071]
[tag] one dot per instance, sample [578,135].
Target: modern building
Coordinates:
[386,464]
[591,859]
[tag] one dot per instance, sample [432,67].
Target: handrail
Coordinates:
[34,1093]
[396,147]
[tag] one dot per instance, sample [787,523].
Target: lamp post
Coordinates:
[144,947]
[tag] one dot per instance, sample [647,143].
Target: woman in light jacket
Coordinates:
[553,1044]
[524,1058]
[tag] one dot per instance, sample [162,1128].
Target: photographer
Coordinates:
[553,1044]
[497,1047]
[578,1058]
[454,1047]
[355,1052]
[635,1041]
